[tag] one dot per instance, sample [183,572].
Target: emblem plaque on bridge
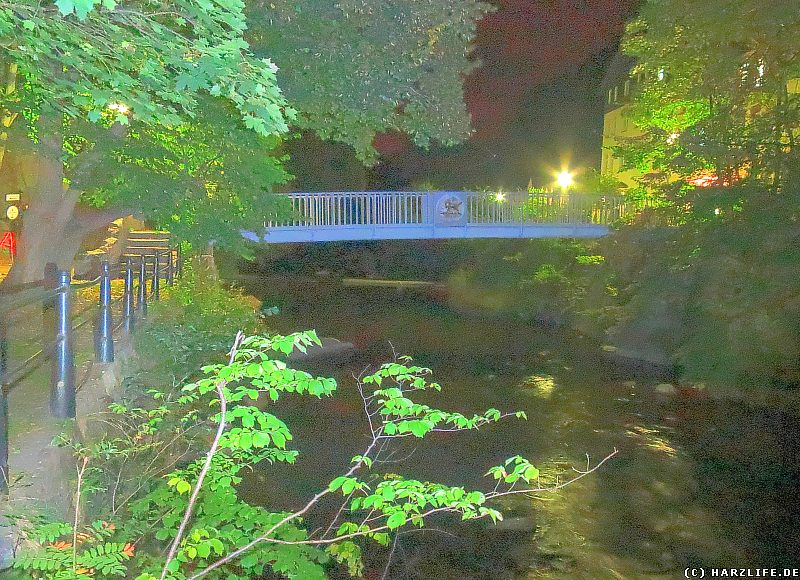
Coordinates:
[450,209]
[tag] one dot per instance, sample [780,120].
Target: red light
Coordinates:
[704,180]
[9,243]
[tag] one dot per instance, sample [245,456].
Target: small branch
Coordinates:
[265,536]
[81,470]
[219,386]
[385,574]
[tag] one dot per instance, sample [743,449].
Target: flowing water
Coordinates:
[696,482]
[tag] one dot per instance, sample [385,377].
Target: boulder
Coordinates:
[665,389]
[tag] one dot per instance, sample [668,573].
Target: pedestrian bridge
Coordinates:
[402,215]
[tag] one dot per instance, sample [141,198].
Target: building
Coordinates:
[618,87]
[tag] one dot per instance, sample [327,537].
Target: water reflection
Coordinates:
[696,482]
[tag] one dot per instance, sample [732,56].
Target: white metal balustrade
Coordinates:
[334,216]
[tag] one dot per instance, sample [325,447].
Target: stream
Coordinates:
[696,481]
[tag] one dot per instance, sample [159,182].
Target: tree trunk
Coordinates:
[52,229]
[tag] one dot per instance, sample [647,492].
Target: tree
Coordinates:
[355,67]
[719,101]
[715,94]
[146,106]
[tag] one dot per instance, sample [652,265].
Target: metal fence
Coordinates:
[413,208]
[543,208]
[352,209]
[55,294]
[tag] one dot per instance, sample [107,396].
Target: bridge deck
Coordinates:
[381,215]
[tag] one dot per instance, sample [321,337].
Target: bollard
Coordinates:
[170,269]
[142,302]
[127,298]
[103,338]
[156,285]
[48,305]
[3,440]
[62,386]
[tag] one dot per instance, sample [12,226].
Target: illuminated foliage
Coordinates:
[714,95]
[162,109]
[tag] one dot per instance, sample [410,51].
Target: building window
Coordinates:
[610,96]
[627,90]
[616,94]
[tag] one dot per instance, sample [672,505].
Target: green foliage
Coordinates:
[162,108]
[355,68]
[226,537]
[194,317]
[57,556]
[714,95]
[716,293]
[721,290]
[554,281]
[182,178]
[592,182]
[82,56]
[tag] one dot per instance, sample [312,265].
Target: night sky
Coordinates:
[535,103]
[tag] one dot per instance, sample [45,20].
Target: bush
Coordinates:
[162,508]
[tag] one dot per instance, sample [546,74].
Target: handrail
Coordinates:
[15,302]
[55,295]
[414,209]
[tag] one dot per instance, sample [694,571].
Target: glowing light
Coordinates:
[704,180]
[500,197]
[565,179]
[121,108]
[673,138]
[717,211]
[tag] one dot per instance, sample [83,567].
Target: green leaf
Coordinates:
[337,483]
[531,473]
[396,520]
[349,485]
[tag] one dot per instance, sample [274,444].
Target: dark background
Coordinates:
[536,106]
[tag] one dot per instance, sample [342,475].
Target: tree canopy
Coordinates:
[716,86]
[356,67]
[162,108]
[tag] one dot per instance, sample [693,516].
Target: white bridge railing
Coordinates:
[412,209]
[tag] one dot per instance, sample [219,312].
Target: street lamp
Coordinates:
[565,179]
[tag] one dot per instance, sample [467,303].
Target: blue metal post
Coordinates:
[48,306]
[127,298]
[104,341]
[62,386]
[141,305]
[3,351]
[156,286]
